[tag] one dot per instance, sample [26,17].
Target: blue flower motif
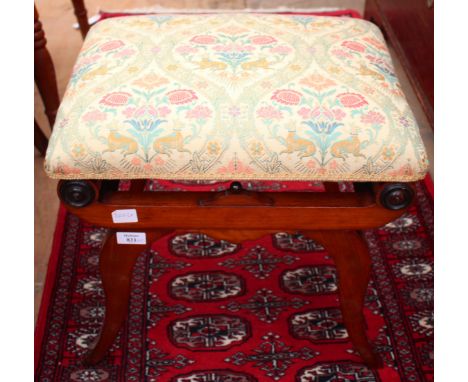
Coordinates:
[304,20]
[323,127]
[234,58]
[147,125]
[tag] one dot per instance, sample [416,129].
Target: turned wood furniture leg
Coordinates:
[82,16]
[331,186]
[353,264]
[44,72]
[40,140]
[137,185]
[116,264]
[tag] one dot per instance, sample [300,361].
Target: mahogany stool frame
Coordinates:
[332,218]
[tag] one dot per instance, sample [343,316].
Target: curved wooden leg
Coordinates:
[352,261]
[116,264]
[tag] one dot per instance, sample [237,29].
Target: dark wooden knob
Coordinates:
[396,196]
[77,193]
[236,187]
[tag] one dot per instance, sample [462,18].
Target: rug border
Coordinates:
[429,183]
[49,283]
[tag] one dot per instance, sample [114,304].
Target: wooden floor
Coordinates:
[64,44]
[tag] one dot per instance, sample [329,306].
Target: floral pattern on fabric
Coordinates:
[237,96]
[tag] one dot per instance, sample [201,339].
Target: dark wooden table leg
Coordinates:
[40,140]
[44,72]
[352,261]
[331,186]
[82,16]
[116,264]
[137,185]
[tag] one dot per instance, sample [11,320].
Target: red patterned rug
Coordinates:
[203,310]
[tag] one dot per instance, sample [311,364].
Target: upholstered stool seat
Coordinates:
[231,97]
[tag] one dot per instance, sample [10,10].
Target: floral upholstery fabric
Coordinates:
[235,97]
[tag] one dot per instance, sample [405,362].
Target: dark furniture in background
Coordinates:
[82,16]
[44,72]
[408,25]
[46,82]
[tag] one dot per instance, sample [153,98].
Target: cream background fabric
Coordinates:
[238,96]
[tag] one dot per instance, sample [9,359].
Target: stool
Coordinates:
[235,97]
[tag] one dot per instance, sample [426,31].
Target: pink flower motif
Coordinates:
[376,60]
[111,45]
[269,112]
[244,48]
[233,48]
[287,97]
[353,45]
[64,169]
[373,117]
[94,116]
[321,112]
[317,82]
[327,113]
[159,161]
[235,167]
[352,100]
[145,110]
[262,40]
[305,112]
[179,97]
[186,49]
[315,113]
[203,39]
[281,49]
[310,164]
[339,114]
[135,161]
[199,112]
[163,111]
[375,43]
[333,165]
[341,53]
[115,99]
[128,112]
[89,60]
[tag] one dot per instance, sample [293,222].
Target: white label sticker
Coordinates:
[125,216]
[131,238]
